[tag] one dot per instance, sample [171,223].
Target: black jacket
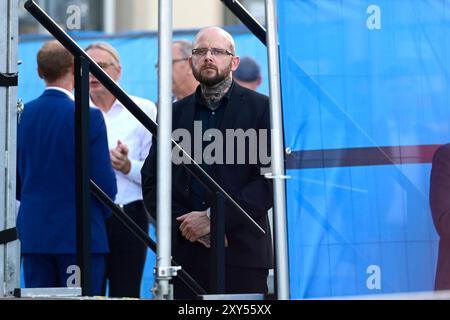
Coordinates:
[246,109]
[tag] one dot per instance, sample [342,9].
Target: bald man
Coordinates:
[221,104]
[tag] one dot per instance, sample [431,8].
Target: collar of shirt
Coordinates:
[200,100]
[116,107]
[67,92]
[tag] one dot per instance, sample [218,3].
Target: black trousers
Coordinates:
[237,279]
[126,260]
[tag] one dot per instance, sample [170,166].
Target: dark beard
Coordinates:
[208,81]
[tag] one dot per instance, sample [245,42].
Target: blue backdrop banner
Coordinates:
[366,103]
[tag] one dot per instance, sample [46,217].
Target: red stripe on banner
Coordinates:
[368,156]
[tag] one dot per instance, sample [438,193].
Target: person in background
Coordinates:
[248,73]
[46,221]
[129,144]
[183,81]
[440,208]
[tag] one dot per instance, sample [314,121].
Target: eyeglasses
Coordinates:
[178,60]
[105,65]
[201,52]
[173,61]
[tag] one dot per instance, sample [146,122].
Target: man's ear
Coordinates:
[235,63]
[190,61]
[40,73]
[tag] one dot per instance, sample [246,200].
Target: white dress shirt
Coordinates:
[122,125]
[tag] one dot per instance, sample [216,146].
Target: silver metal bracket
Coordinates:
[20,109]
[166,271]
[270,175]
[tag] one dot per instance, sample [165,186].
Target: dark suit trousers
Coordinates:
[52,270]
[126,260]
[237,279]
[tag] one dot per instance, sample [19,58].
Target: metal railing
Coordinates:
[247,19]
[141,235]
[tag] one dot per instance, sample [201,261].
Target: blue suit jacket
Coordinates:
[46,222]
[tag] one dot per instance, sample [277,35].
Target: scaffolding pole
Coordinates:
[9,252]
[109,16]
[164,269]
[278,171]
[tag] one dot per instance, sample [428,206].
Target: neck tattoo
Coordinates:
[213,94]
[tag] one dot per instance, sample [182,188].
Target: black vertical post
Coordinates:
[217,271]
[82,172]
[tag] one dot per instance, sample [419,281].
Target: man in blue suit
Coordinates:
[46,220]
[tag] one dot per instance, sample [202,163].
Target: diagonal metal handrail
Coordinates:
[141,234]
[247,19]
[48,23]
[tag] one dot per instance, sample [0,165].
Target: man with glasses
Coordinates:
[183,81]
[218,103]
[129,142]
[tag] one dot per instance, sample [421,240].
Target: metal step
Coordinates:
[241,296]
[47,292]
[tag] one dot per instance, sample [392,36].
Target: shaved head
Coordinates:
[215,33]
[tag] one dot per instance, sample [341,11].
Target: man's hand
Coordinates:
[206,240]
[194,225]
[119,158]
